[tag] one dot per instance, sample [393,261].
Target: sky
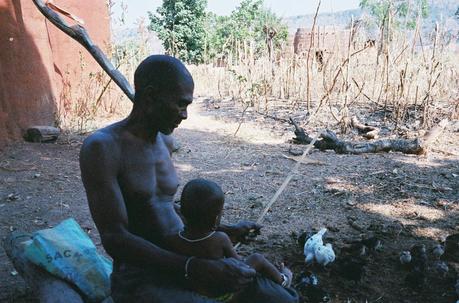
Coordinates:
[284,8]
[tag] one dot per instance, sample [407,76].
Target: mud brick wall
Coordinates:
[36,59]
[323,39]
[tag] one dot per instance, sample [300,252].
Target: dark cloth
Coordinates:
[264,290]
[134,284]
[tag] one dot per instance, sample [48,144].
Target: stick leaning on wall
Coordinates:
[79,33]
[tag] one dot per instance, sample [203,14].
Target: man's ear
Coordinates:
[153,97]
[149,94]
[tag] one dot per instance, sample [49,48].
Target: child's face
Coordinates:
[219,216]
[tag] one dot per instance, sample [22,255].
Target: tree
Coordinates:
[403,12]
[180,25]
[250,23]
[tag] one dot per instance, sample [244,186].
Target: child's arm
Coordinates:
[228,249]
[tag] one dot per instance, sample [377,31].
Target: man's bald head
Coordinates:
[163,73]
[163,90]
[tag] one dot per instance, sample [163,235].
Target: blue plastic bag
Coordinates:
[67,252]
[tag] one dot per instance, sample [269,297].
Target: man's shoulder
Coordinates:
[99,138]
[170,142]
[105,140]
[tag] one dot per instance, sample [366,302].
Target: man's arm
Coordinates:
[99,163]
[241,232]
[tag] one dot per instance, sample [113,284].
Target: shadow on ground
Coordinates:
[380,192]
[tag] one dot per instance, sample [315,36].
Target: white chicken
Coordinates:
[438,251]
[405,257]
[324,254]
[314,249]
[311,244]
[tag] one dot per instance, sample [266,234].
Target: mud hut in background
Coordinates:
[324,39]
[39,65]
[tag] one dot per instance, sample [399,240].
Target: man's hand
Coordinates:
[220,276]
[243,231]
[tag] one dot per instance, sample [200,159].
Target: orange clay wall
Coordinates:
[36,59]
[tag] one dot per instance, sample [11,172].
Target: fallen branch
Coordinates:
[330,141]
[367,131]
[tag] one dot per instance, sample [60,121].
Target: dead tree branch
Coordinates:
[367,131]
[330,141]
[78,33]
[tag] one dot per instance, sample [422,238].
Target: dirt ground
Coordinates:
[401,199]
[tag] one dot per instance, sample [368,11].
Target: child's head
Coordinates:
[201,204]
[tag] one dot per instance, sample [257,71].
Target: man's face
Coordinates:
[172,108]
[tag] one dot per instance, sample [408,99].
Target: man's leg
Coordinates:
[264,290]
[163,294]
[131,284]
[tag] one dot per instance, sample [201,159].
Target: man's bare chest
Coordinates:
[148,174]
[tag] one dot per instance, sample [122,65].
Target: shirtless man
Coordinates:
[130,183]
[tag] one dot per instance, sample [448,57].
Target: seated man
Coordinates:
[130,183]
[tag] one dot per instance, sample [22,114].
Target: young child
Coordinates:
[201,206]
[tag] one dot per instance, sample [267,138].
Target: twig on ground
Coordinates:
[306,161]
[242,119]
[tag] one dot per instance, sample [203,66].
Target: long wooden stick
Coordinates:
[286,182]
[79,33]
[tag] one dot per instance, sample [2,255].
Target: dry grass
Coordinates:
[94,97]
[414,80]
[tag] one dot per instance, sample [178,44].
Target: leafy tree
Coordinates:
[180,25]
[399,10]
[219,32]
[250,22]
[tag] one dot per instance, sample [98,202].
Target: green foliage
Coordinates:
[247,24]
[193,35]
[402,12]
[180,25]
[219,33]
